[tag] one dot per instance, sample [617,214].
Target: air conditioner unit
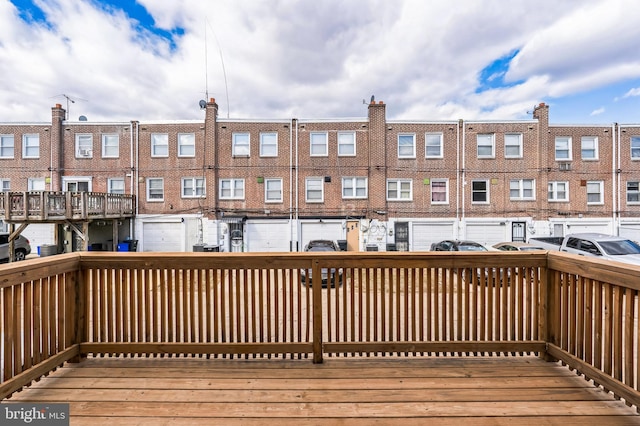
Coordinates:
[85,153]
[565,166]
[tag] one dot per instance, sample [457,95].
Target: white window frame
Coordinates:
[520,187]
[7,146]
[36,184]
[431,140]
[486,191]
[446,190]
[186,145]
[484,141]
[241,144]
[553,191]
[5,185]
[634,145]
[152,196]
[31,142]
[84,145]
[313,186]
[512,140]
[355,187]
[399,190]
[76,183]
[589,188]
[110,145]
[193,187]
[232,189]
[407,145]
[635,192]
[346,144]
[593,140]
[562,144]
[273,194]
[269,144]
[160,145]
[318,144]
[116,186]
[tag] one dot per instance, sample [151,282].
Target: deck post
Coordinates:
[548,309]
[77,300]
[316,282]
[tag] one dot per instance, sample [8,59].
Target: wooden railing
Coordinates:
[51,205]
[560,306]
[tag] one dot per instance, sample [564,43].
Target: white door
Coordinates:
[487,234]
[162,236]
[424,234]
[267,235]
[320,231]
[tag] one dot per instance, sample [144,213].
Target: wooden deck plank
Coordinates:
[355,391]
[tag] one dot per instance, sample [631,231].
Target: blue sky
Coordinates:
[155,59]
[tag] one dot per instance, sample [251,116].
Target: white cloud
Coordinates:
[598,111]
[291,58]
[633,92]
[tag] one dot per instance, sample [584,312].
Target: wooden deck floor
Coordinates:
[353,391]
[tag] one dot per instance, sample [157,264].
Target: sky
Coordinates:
[428,60]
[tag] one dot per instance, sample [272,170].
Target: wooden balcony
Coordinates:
[485,338]
[48,206]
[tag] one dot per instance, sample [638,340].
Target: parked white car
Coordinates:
[21,248]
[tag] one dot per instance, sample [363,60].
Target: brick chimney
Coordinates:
[56,142]
[377,157]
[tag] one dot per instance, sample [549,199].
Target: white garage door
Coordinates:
[486,234]
[162,236]
[320,231]
[631,232]
[267,235]
[424,234]
[599,228]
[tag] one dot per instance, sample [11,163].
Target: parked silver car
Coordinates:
[22,248]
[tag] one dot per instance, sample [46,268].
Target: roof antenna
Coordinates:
[224,72]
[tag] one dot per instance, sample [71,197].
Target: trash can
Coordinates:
[392,247]
[48,250]
[133,245]
[198,247]
[123,246]
[372,247]
[342,244]
[209,248]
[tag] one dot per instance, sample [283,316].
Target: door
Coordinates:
[519,232]
[401,229]
[353,235]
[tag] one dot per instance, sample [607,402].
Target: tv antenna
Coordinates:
[69,100]
[206,64]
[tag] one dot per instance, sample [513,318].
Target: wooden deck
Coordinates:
[520,390]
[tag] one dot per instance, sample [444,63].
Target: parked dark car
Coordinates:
[516,246]
[327,275]
[457,245]
[21,247]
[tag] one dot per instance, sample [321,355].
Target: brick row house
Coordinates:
[376,184]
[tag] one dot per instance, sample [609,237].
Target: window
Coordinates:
[633,192]
[110,145]
[433,145]
[273,190]
[480,192]
[635,147]
[522,189]
[589,147]
[318,144]
[486,146]
[6,146]
[36,184]
[563,148]
[155,189]
[268,144]
[513,145]
[31,146]
[115,186]
[314,190]
[76,184]
[354,187]
[346,144]
[232,189]
[193,187]
[558,191]
[399,190]
[240,145]
[159,145]
[186,145]
[439,191]
[84,146]
[594,192]
[407,146]
[5,185]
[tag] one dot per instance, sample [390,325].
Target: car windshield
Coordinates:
[622,247]
[471,247]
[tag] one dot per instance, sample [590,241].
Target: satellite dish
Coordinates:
[82,118]
[203,104]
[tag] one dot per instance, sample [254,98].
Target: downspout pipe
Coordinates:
[463,176]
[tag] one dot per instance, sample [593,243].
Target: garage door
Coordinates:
[162,236]
[424,234]
[487,233]
[598,228]
[267,235]
[320,231]
[631,232]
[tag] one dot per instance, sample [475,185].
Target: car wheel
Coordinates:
[20,255]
